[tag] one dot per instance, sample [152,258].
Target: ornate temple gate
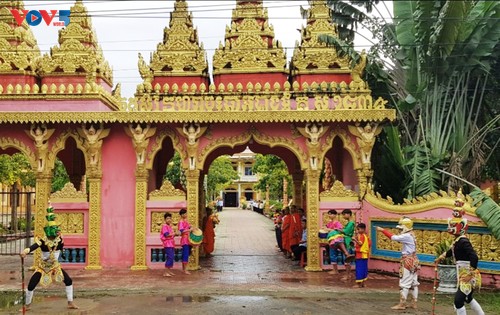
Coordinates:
[316,113]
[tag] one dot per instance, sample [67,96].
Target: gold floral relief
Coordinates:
[71,222]
[429,240]
[476,241]
[419,240]
[157,221]
[490,248]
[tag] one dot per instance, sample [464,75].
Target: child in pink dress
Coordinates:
[185,228]
[167,238]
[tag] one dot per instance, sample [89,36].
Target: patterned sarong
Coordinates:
[468,278]
[410,262]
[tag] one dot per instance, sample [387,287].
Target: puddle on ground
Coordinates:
[188,299]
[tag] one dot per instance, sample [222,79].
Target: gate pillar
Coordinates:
[94,249]
[42,195]
[298,200]
[312,210]
[193,195]
[141,191]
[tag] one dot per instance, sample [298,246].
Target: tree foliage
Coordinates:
[16,169]
[174,170]
[271,170]
[220,175]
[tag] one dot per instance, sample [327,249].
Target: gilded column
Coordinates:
[193,194]
[298,178]
[94,250]
[141,190]
[42,195]
[312,210]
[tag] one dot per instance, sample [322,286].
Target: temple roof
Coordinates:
[249,32]
[78,51]
[311,55]
[180,54]
[18,46]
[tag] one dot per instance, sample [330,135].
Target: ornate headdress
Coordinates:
[458,224]
[51,228]
[405,224]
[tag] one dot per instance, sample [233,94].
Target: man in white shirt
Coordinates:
[408,272]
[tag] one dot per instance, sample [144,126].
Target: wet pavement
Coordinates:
[246,275]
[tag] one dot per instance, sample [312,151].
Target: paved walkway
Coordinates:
[246,275]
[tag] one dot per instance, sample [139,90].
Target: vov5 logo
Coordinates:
[35,17]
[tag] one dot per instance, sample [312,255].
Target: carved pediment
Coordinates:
[167,191]
[68,194]
[338,191]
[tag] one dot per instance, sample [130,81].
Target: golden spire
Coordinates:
[18,47]
[311,55]
[78,52]
[180,54]
[249,46]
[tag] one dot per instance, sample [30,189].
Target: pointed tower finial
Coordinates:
[78,53]
[19,50]
[179,58]
[250,46]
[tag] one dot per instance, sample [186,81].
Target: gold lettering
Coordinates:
[274,102]
[247,103]
[302,103]
[209,103]
[285,101]
[218,103]
[168,103]
[196,103]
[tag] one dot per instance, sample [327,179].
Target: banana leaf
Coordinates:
[488,210]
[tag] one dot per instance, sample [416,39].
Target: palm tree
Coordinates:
[440,57]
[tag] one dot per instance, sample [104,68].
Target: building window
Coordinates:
[248,171]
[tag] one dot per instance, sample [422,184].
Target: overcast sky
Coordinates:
[125,28]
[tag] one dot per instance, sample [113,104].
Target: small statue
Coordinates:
[140,138]
[313,132]
[41,135]
[94,140]
[327,178]
[191,131]
[366,139]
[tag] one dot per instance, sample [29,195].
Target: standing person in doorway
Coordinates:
[408,270]
[209,223]
[220,204]
[285,229]
[167,238]
[49,268]
[185,228]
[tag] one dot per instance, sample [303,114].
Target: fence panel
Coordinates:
[16,219]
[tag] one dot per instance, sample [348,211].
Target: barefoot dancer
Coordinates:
[51,245]
[185,228]
[167,238]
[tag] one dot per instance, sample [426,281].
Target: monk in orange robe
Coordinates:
[285,228]
[295,231]
[209,223]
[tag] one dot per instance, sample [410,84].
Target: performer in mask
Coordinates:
[465,258]
[408,271]
[49,268]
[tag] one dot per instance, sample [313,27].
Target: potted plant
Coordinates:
[447,271]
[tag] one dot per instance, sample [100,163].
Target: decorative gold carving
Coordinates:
[71,222]
[180,53]
[365,137]
[141,187]
[260,138]
[200,116]
[94,245]
[68,194]
[6,143]
[193,192]
[311,55]
[419,204]
[78,51]
[312,193]
[18,47]
[43,187]
[140,138]
[357,82]
[167,192]
[93,142]
[40,134]
[157,221]
[490,248]
[157,143]
[249,31]
[338,192]
[192,131]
